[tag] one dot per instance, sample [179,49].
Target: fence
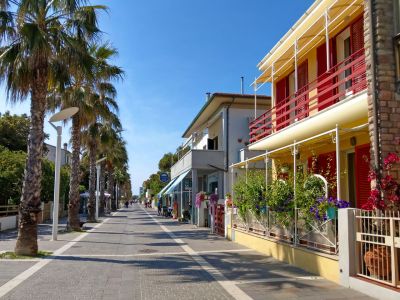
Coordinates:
[8,210]
[378,246]
[293,229]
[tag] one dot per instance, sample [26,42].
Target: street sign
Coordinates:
[164,177]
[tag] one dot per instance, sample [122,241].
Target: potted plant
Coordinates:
[199,198]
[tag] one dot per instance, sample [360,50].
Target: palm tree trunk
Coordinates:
[74,197]
[92,183]
[102,184]
[30,198]
[111,184]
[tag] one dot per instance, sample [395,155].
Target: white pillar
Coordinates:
[328,61]
[272,85]
[181,210]
[194,192]
[57,184]
[255,98]
[97,190]
[296,75]
[294,191]
[337,162]
[266,168]
[347,245]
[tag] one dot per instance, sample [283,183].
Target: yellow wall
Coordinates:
[319,264]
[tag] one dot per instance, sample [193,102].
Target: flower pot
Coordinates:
[331,212]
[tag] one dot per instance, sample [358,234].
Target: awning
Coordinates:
[177,181]
[159,195]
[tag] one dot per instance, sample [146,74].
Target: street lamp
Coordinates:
[60,116]
[98,169]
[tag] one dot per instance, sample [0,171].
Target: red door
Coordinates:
[357,44]
[325,90]
[282,93]
[302,101]
[363,186]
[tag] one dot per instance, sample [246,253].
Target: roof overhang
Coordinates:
[309,32]
[218,100]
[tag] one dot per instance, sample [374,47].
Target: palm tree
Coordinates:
[83,93]
[117,157]
[40,42]
[95,134]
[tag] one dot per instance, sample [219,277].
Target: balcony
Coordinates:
[199,159]
[346,79]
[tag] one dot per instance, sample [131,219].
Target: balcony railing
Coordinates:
[346,78]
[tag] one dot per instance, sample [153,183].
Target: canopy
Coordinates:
[176,182]
[165,188]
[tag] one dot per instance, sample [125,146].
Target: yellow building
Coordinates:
[318,122]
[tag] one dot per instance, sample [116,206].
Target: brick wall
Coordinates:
[388,101]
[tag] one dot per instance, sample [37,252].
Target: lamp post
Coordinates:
[98,169]
[60,116]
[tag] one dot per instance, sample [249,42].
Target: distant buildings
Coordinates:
[65,154]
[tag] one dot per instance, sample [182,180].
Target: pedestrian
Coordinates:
[159,207]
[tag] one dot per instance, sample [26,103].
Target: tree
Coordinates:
[93,94]
[12,165]
[40,42]
[14,131]
[102,100]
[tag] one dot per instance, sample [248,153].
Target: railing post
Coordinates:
[393,252]
[337,141]
[296,83]
[255,98]
[328,61]
[294,153]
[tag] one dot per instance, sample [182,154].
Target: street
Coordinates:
[135,254]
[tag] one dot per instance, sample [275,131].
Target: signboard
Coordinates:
[164,177]
[187,184]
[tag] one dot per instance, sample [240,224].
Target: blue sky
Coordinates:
[173,52]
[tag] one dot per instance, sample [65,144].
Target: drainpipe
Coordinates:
[375,108]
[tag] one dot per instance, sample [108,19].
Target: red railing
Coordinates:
[346,78]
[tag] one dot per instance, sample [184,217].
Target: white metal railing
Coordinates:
[378,246]
[299,231]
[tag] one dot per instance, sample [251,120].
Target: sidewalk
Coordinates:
[137,255]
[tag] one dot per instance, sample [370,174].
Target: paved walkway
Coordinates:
[138,255]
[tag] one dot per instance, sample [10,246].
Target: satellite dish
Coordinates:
[64,114]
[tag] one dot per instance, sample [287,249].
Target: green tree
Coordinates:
[14,131]
[12,164]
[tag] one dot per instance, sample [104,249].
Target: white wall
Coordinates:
[238,130]
[8,223]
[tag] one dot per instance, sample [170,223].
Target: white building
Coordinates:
[216,137]
[65,154]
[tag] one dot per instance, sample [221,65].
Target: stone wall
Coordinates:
[388,104]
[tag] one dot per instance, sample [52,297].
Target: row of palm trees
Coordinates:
[51,52]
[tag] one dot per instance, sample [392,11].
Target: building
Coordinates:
[216,138]
[65,154]
[334,113]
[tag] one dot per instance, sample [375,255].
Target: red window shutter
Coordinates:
[362,157]
[325,91]
[357,35]
[282,91]
[357,43]
[302,101]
